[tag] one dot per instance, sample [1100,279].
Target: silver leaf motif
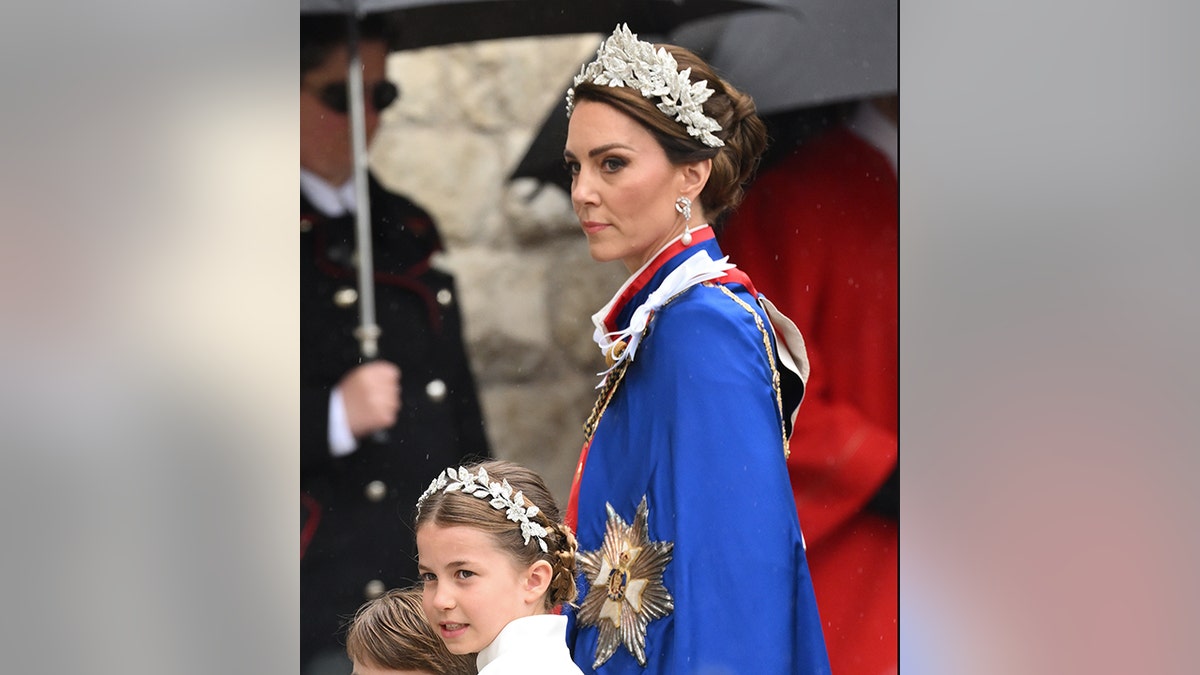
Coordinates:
[625,61]
[499,495]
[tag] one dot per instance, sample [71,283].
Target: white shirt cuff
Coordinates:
[341,441]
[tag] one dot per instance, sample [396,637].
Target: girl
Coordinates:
[495,561]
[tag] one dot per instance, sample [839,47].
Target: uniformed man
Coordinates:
[372,433]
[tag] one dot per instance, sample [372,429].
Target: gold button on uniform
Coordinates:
[373,589]
[345,297]
[376,490]
[436,390]
[445,297]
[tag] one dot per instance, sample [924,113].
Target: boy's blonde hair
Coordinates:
[391,632]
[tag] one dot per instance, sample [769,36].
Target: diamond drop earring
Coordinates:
[684,205]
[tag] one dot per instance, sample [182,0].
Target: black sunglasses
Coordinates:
[334,96]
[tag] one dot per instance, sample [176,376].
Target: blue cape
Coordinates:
[695,427]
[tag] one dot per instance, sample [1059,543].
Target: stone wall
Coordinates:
[526,284]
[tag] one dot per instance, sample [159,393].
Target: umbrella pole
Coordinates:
[368,331]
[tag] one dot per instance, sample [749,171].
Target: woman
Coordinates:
[691,554]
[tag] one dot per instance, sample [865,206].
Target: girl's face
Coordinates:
[472,587]
[623,187]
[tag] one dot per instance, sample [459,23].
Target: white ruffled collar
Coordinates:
[695,269]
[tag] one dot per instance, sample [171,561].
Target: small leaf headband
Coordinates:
[625,61]
[500,495]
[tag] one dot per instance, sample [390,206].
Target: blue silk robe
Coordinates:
[697,427]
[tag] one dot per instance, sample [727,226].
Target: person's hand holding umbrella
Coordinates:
[371,395]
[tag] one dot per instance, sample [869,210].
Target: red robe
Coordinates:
[818,233]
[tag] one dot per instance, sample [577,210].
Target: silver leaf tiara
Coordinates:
[500,495]
[625,61]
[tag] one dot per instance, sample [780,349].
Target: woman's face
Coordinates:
[623,187]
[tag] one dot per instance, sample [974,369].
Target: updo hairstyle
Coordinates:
[744,134]
[455,508]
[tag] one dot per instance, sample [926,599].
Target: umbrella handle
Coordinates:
[368,331]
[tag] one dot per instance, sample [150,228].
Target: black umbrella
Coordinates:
[835,51]
[425,23]
[822,52]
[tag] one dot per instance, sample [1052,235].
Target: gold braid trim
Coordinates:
[770,361]
[606,393]
[614,377]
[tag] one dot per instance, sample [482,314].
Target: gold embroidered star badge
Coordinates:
[626,591]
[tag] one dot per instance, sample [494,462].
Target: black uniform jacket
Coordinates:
[356,511]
